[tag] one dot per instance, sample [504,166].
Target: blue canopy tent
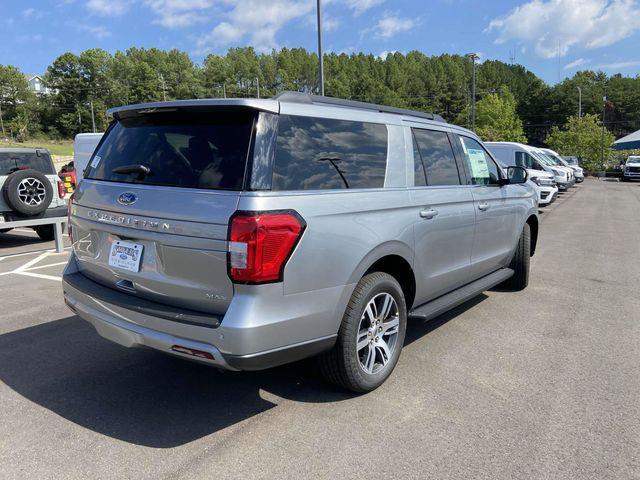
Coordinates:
[627,143]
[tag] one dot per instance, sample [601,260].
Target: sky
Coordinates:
[552,38]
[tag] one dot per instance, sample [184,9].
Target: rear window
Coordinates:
[180,149]
[10,162]
[321,153]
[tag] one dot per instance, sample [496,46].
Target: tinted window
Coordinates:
[482,169]
[420,179]
[12,161]
[528,161]
[525,160]
[183,149]
[437,157]
[319,153]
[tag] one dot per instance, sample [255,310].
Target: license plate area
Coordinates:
[125,255]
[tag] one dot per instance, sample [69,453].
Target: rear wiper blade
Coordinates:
[142,170]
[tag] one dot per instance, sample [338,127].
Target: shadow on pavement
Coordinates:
[148,398]
[18,239]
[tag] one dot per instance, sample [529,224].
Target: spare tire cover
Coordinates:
[28,192]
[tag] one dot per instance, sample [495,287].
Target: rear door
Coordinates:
[444,216]
[496,208]
[151,216]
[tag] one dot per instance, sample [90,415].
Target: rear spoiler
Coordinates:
[265,105]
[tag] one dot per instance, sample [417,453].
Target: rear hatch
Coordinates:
[151,216]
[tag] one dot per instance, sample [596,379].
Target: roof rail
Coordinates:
[300,97]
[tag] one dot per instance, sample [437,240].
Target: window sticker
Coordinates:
[95,161]
[478,160]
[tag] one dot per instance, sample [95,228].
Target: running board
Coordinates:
[446,302]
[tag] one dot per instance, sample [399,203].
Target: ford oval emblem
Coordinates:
[127,198]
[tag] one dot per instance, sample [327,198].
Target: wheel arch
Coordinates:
[394,258]
[534,226]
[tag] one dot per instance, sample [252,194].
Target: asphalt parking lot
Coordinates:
[543,383]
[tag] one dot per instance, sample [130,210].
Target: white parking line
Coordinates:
[52,251]
[45,266]
[31,262]
[27,268]
[39,275]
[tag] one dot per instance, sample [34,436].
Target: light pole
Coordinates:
[320,56]
[579,102]
[473,57]
[604,110]
[93,118]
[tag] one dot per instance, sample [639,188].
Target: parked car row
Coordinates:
[548,172]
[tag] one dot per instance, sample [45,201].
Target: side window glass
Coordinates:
[482,168]
[420,180]
[322,153]
[535,164]
[523,160]
[437,157]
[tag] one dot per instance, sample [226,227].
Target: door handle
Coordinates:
[483,206]
[428,213]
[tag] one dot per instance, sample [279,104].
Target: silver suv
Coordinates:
[250,233]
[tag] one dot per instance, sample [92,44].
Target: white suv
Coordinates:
[631,168]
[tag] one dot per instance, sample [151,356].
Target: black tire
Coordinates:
[623,179]
[5,230]
[45,232]
[10,191]
[342,365]
[520,262]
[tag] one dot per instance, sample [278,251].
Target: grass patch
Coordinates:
[56,147]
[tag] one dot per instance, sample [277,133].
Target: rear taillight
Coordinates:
[260,243]
[69,207]
[62,191]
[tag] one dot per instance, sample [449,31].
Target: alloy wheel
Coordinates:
[31,191]
[378,333]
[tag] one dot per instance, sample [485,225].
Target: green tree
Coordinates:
[14,96]
[583,137]
[497,119]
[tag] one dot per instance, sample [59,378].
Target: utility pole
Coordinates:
[579,102]
[1,121]
[473,57]
[93,118]
[4,134]
[224,91]
[604,110]
[320,54]
[164,88]
[258,84]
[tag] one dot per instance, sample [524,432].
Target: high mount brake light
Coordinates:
[260,243]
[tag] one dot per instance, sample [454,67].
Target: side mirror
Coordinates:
[516,175]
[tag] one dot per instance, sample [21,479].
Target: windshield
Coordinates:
[571,160]
[633,159]
[12,161]
[177,149]
[542,158]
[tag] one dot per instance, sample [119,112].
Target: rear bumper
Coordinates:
[54,212]
[250,336]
